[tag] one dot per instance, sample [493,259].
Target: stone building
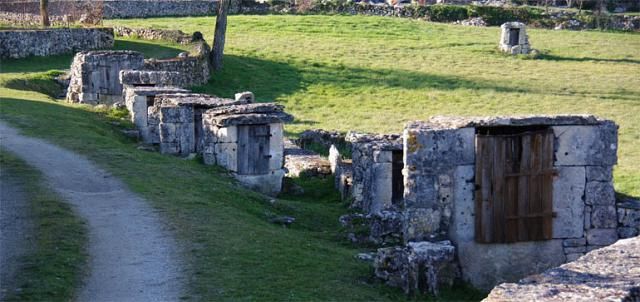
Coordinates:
[140,101]
[514,39]
[513,195]
[95,75]
[180,120]
[248,141]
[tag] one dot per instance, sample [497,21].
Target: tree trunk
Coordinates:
[219,37]
[44,14]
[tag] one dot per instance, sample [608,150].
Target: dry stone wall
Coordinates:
[16,43]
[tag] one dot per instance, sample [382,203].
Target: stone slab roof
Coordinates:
[455,122]
[245,119]
[196,99]
[608,274]
[375,141]
[152,90]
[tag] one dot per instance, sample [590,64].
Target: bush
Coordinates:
[497,15]
[446,13]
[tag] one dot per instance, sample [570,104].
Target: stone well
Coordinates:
[514,39]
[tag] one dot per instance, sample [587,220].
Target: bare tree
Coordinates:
[44,14]
[219,36]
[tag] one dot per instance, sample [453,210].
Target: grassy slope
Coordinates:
[235,252]
[374,74]
[52,271]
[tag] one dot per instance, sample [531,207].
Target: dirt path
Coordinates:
[16,230]
[132,256]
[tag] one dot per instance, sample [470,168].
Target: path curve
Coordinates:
[132,254]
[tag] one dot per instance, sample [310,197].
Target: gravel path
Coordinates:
[132,255]
[16,231]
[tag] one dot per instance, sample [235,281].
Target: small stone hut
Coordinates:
[514,39]
[95,75]
[513,195]
[248,141]
[179,117]
[139,100]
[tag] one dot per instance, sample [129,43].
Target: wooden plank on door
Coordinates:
[243,150]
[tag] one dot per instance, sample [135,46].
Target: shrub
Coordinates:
[497,15]
[446,13]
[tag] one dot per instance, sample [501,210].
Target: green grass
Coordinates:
[53,270]
[374,74]
[333,72]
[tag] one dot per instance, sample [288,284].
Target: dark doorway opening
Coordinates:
[397,180]
[514,36]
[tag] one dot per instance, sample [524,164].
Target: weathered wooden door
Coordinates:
[514,187]
[253,149]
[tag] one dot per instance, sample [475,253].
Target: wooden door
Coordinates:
[514,187]
[253,149]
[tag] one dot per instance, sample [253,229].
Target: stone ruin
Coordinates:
[95,75]
[98,77]
[245,138]
[511,195]
[514,39]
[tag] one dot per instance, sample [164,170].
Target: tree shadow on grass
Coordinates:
[269,80]
[551,57]
[39,64]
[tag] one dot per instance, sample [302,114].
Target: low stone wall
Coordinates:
[607,274]
[113,9]
[46,42]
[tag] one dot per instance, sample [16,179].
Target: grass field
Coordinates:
[374,74]
[362,73]
[54,268]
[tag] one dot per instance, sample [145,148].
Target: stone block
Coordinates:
[385,227]
[421,224]
[574,242]
[246,96]
[227,134]
[586,145]
[268,184]
[577,249]
[627,232]
[604,217]
[139,111]
[594,247]
[599,173]
[600,193]
[276,146]
[420,191]
[382,156]
[601,236]
[208,155]
[381,196]
[568,189]
[227,156]
[485,265]
[169,148]
[176,114]
[629,217]
[418,267]
[587,217]
[436,151]
[463,219]
[168,133]
[574,256]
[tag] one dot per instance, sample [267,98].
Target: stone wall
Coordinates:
[114,9]
[47,42]
[440,195]
[607,274]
